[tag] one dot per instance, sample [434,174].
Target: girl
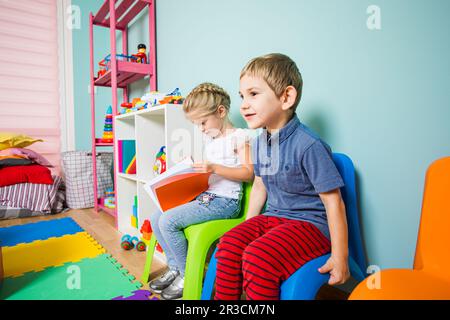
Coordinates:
[228,160]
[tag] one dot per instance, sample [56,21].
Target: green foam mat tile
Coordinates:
[99,278]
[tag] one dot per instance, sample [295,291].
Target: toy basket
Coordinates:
[77,170]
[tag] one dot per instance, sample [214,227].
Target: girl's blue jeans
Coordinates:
[169,226]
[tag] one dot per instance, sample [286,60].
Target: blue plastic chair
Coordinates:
[306,281]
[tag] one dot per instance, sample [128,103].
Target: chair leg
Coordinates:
[195,266]
[355,270]
[149,260]
[210,278]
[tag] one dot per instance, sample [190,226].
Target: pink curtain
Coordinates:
[29,78]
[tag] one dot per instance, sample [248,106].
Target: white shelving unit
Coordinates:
[151,129]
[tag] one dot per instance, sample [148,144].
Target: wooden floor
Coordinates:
[101,227]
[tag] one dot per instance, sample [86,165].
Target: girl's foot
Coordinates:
[175,290]
[157,285]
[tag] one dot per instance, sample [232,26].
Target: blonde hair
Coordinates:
[278,71]
[205,99]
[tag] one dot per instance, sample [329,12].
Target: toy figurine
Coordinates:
[160,162]
[141,56]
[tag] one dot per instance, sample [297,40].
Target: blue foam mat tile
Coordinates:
[42,230]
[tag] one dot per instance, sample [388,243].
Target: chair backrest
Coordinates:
[433,241]
[345,167]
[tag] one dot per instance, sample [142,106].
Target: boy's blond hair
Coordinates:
[279,71]
[205,100]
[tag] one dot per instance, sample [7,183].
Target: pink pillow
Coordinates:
[30,154]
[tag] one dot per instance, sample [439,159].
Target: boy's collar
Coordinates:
[284,132]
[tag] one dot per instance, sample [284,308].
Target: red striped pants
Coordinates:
[262,252]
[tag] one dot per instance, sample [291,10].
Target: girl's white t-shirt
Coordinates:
[224,151]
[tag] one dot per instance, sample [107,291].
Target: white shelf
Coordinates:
[159,110]
[132,177]
[152,128]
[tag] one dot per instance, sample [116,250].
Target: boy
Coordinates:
[294,171]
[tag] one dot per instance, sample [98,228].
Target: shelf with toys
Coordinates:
[127,72]
[118,70]
[154,138]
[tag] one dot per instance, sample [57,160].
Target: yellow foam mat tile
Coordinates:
[40,254]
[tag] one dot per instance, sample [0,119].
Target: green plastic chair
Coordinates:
[200,238]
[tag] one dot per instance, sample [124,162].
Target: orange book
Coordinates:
[178,185]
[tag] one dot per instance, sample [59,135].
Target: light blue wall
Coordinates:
[382,97]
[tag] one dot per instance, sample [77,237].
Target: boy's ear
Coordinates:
[288,98]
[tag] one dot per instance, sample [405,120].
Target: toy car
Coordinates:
[141,246]
[128,242]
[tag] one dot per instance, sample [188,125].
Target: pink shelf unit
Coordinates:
[99,143]
[101,205]
[127,72]
[124,13]
[117,15]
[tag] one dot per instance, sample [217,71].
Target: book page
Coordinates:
[184,166]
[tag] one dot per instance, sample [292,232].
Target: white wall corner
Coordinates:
[65,62]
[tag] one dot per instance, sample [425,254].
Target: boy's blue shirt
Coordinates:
[305,169]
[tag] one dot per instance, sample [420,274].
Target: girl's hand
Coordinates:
[338,269]
[204,167]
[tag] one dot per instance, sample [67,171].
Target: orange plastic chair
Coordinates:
[430,277]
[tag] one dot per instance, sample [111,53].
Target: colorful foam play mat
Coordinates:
[58,260]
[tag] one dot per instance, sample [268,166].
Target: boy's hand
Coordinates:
[338,269]
[204,167]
